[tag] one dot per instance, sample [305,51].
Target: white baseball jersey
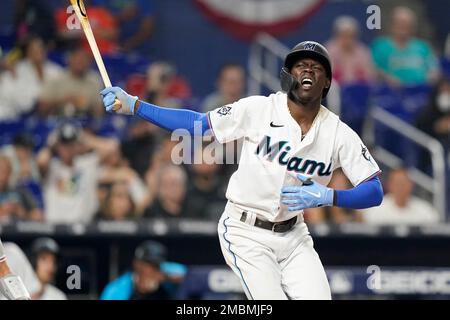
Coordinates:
[273,152]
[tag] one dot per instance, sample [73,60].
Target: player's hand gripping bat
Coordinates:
[81,13]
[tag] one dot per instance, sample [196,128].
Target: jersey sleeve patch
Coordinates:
[354,157]
[224,111]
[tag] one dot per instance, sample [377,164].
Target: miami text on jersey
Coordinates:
[281,149]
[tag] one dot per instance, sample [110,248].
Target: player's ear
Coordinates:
[327,84]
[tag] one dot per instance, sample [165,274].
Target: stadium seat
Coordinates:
[355,103]
[405,103]
[39,129]
[445,65]
[120,66]
[110,126]
[9,129]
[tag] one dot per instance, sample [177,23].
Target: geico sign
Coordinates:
[224,281]
[411,282]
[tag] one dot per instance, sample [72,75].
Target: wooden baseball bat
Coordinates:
[80,11]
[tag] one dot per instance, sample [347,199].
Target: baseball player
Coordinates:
[291,146]
[11,285]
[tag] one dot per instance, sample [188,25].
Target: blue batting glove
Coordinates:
[111,94]
[309,195]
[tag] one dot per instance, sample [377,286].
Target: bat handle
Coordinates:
[117,105]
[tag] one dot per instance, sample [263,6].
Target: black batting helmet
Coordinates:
[305,49]
[152,252]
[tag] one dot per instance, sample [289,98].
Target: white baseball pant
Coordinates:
[270,265]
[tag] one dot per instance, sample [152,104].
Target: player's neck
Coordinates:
[304,114]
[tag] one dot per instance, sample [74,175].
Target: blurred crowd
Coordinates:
[148,276]
[63,160]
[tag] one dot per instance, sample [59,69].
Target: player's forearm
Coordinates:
[172,119]
[367,194]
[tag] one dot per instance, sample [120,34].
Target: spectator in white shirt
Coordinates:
[71,167]
[399,206]
[21,87]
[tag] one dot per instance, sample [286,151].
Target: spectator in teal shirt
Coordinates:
[152,276]
[402,59]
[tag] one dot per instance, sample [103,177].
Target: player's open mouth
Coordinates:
[306,83]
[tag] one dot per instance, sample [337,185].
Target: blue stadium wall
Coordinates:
[182,27]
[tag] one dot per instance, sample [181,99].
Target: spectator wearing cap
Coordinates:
[70,165]
[152,277]
[44,258]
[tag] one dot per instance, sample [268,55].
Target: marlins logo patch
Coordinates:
[224,111]
[310,46]
[365,153]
